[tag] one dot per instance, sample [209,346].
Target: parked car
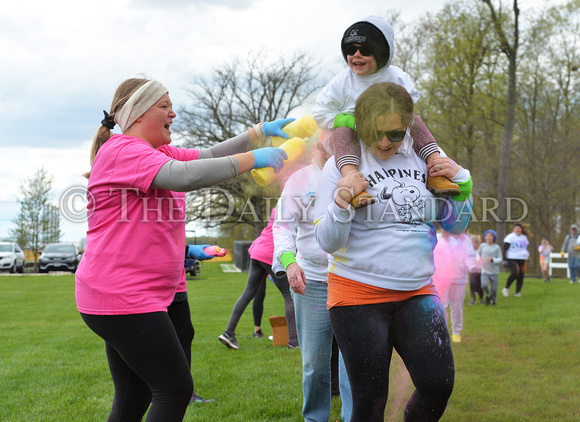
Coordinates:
[192,267]
[58,257]
[11,257]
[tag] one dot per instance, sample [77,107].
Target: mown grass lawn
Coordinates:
[518,361]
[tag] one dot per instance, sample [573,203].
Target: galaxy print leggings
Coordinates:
[417,330]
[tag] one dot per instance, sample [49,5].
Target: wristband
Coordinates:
[256,134]
[287,258]
[464,190]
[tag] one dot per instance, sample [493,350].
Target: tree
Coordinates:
[462,72]
[510,50]
[38,221]
[236,97]
[547,139]
[461,92]
[462,97]
[466,105]
[411,45]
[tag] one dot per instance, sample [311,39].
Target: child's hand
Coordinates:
[443,166]
[349,187]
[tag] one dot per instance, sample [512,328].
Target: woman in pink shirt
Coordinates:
[135,250]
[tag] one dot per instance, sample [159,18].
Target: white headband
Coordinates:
[139,103]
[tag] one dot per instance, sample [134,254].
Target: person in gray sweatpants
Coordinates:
[490,257]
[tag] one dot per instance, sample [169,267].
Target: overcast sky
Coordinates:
[63,59]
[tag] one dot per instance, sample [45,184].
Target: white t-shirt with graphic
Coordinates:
[518,246]
[390,243]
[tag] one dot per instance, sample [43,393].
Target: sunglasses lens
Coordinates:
[396,135]
[393,135]
[364,50]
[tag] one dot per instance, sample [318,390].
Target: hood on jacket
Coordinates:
[379,44]
[573,226]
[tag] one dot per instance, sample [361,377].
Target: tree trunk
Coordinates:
[504,159]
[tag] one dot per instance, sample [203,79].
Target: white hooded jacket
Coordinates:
[341,93]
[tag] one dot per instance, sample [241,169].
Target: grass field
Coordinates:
[519,361]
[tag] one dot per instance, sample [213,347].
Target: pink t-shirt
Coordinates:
[135,250]
[262,249]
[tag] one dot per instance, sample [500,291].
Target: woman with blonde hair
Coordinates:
[381,295]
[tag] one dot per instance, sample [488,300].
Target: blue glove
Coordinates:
[196,251]
[270,157]
[275,128]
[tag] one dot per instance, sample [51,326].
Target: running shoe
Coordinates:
[229,341]
[198,399]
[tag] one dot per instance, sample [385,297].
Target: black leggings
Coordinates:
[258,305]
[256,280]
[475,285]
[416,329]
[147,364]
[517,271]
[180,316]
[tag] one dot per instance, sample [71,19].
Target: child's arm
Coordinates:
[425,146]
[346,148]
[329,103]
[424,143]
[498,256]
[328,114]
[333,110]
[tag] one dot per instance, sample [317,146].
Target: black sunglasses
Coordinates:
[392,135]
[365,50]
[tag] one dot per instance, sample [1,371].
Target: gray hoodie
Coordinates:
[570,242]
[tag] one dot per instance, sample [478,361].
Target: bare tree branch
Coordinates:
[238,95]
